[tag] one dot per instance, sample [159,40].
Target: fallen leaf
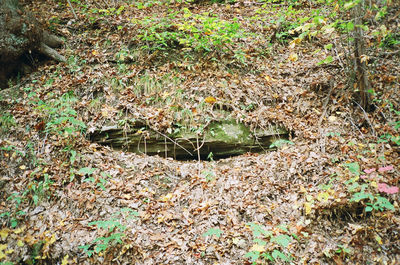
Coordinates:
[210,100]
[370,170]
[378,239]
[383,187]
[293,57]
[4,233]
[307,207]
[257,247]
[387,168]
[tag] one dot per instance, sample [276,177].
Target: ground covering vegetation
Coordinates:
[326,70]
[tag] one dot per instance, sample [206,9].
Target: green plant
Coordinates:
[342,249]
[213,232]
[100,182]
[365,192]
[209,175]
[113,230]
[14,217]
[61,117]
[101,244]
[280,143]
[270,245]
[7,121]
[192,32]
[38,189]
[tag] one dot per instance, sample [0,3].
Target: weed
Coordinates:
[186,31]
[279,143]
[100,182]
[213,232]
[7,121]
[61,117]
[365,192]
[37,190]
[113,230]
[270,245]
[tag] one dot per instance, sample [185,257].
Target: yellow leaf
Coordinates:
[332,118]
[4,233]
[52,239]
[65,260]
[104,113]
[293,57]
[323,196]
[378,239]
[257,247]
[307,207]
[373,184]
[210,100]
[20,243]
[294,42]
[2,256]
[19,230]
[166,197]
[160,219]
[364,58]
[22,167]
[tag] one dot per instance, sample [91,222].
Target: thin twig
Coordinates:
[366,117]
[326,103]
[72,9]
[173,141]
[352,123]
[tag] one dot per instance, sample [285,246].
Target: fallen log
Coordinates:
[221,138]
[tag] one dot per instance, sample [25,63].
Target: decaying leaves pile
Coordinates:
[183,212]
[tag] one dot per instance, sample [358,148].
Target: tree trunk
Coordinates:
[360,64]
[20,34]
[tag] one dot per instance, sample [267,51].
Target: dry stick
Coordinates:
[173,141]
[386,54]
[326,104]
[72,9]
[202,143]
[324,112]
[366,117]
[352,123]
[145,146]
[198,154]
[165,147]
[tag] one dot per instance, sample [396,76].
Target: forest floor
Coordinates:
[327,196]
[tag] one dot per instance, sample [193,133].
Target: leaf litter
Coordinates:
[195,212]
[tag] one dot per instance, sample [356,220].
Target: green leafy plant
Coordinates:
[7,121]
[38,190]
[16,198]
[213,232]
[280,143]
[270,245]
[192,32]
[100,181]
[113,230]
[62,118]
[365,192]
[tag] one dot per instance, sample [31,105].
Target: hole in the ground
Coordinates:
[221,139]
[344,213]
